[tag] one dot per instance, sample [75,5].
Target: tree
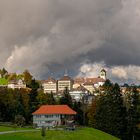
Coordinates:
[110,113]
[66,98]
[79,116]
[91,113]
[33,103]
[3,72]
[50,99]
[41,98]
[43,132]
[20,120]
[12,76]
[27,77]
[133,118]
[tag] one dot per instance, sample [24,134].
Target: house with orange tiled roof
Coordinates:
[52,115]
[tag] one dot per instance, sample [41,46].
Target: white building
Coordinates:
[78,93]
[65,82]
[89,86]
[52,115]
[50,85]
[17,84]
[103,74]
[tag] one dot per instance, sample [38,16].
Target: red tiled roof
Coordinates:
[88,83]
[95,80]
[65,78]
[50,79]
[79,80]
[103,70]
[54,109]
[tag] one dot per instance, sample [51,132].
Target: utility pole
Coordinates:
[84,107]
[43,132]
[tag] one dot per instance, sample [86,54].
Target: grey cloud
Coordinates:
[51,35]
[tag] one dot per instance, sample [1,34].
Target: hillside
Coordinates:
[82,134]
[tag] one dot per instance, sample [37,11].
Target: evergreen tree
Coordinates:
[110,113]
[50,99]
[66,98]
[79,116]
[91,113]
[33,103]
[133,115]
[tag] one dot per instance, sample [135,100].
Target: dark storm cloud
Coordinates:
[51,35]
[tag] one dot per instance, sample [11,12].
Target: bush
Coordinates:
[20,120]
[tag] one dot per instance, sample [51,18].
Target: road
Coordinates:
[17,131]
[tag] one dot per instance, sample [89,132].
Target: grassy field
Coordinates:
[82,134]
[6,128]
[3,81]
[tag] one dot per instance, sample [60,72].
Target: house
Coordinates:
[89,86]
[16,84]
[96,81]
[50,85]
[52,115]
[78,93]
[78,82]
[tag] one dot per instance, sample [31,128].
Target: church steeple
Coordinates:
[66,72]
[103,74]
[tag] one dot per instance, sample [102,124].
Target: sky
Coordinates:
[83,36]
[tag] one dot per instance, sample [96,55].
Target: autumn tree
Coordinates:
[41,98]
[91,113]
[27,77]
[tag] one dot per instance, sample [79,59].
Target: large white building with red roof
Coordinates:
[52,115]
[64,82]
[50,85]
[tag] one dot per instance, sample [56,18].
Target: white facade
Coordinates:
[77,95]
[47,120]
[89,87]
[99,84]
[49,87]
[17,85]
[103,74]
[76,85]
[63,84]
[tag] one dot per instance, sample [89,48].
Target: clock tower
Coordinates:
[103,74]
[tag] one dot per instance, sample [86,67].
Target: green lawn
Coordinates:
[3,81]
[6,128]
[82,134]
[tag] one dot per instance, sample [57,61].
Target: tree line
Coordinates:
[116,113]
[111,111]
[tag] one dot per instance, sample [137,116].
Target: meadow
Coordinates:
[80,134]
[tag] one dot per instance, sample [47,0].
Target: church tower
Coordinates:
[103,74]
